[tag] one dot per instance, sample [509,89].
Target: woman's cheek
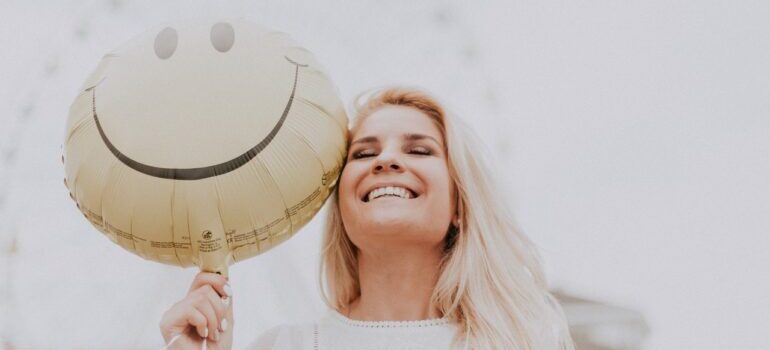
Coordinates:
[347,188]
[346,180]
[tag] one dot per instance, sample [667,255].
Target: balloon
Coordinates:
[204,143]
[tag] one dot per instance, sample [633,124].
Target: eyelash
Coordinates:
[368,153]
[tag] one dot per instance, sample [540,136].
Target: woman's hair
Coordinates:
[491,280]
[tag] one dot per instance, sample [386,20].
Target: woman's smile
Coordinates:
[389,190]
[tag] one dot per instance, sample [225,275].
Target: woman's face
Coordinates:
[395,187]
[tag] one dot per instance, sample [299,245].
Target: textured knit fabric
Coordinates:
[335,331]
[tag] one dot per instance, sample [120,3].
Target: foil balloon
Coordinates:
[204,143]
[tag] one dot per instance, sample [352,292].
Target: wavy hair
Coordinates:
[491,281]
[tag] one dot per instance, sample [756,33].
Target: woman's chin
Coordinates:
[397,219]
[391,220]
[408,225]
[385,220]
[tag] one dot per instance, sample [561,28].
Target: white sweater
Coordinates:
[335,331]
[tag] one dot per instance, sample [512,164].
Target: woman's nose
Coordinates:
[387,162]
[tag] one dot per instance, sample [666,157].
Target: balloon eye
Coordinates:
[222,36]
[165,43]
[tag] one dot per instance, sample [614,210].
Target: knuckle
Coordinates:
[199,319]
[196,298]
[166,318]
[219,310]
[180,305]
[199,277]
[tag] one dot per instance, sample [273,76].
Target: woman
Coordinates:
[419,250]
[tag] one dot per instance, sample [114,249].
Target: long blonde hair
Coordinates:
[491,280]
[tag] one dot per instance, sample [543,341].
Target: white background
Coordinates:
[633,137]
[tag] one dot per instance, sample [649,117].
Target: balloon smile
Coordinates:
[201,172]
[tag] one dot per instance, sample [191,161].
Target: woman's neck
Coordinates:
[396,285]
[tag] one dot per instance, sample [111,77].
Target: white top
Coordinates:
[335,331]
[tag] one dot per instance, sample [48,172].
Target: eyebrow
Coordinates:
[408,137]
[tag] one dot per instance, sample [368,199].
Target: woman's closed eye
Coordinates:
[365,153]
[421,150]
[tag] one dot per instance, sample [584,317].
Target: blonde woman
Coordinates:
[419,251]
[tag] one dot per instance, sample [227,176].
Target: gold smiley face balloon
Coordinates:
[204,143]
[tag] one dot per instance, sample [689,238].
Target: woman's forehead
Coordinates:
[396,121]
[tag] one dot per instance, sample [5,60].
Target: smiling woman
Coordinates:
[419,250]
[400,149]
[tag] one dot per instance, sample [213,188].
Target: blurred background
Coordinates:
[632,137]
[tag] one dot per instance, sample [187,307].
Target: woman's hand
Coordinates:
[206,312]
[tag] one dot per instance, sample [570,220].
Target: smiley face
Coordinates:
[217,91]
[204,143]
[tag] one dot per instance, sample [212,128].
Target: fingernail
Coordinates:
[223,325]
[226,301]
[228,290]
[205,332]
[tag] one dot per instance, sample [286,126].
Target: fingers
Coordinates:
[210,295]
[220,308]
[212,321]
[196,319]
[218,282]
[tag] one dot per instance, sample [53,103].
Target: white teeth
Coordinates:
[389,190]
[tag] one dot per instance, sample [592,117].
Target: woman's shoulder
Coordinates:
[287,336]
